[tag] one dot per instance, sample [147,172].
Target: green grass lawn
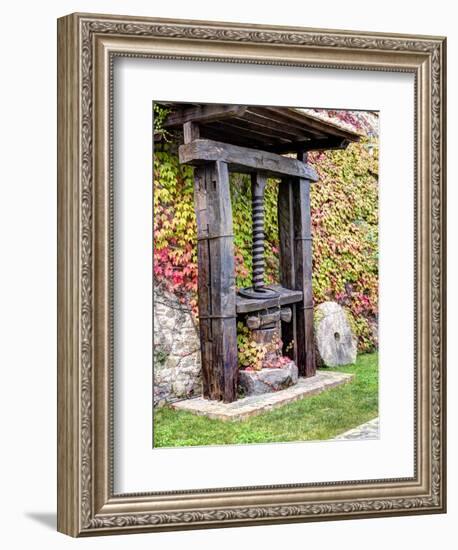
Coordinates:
[321,416]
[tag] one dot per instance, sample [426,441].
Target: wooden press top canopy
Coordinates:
[275,129]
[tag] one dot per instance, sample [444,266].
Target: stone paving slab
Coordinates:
[257,404]
[367,431]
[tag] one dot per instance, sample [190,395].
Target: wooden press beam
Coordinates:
[286,297]
[244,159]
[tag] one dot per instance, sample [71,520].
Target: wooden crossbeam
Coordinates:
[290,132]
[221,131]
[282,118]
[323,144]
[258,130]
[244,159]
[203,113]
[286,296]
[313,125]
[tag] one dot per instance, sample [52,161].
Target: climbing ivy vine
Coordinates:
[345,234]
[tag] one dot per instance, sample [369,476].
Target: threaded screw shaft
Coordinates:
[258,184]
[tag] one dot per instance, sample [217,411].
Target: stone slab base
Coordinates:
[258,404]
[268,380]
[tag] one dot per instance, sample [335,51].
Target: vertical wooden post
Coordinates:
[287,263]
[216,282]
[303,266]
[191,131]
[294,226]
[307,262]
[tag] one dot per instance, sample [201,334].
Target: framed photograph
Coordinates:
[251,289]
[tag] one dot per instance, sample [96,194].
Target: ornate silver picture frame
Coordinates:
[87,46]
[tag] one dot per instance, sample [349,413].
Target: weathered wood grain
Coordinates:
[203,276]
[253,129]
[263,319]
[303,274]
[322,144]
[191,131]
[311,125]
[215,131]
[261,121]
[286,297]
[244,159]
[203,113]
[287,263]
[216,282]
[267,128]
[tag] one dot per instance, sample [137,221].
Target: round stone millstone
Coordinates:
[335,341]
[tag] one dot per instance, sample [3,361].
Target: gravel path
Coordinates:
[369,430]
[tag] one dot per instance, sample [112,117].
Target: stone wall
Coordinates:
[176,350]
